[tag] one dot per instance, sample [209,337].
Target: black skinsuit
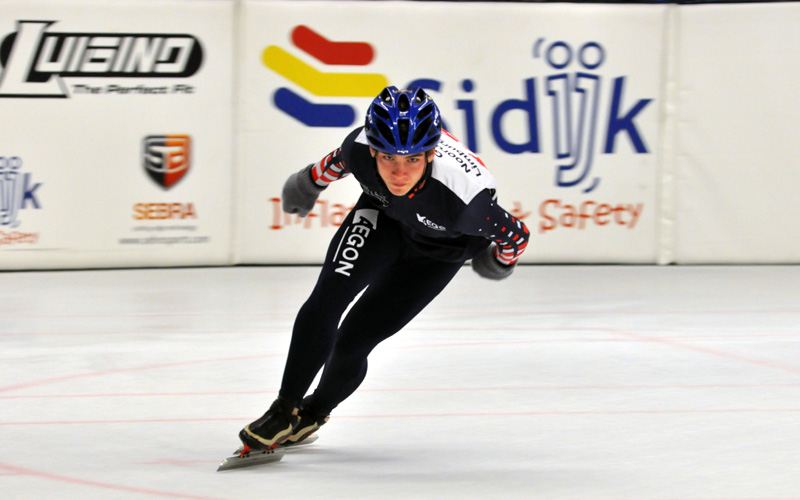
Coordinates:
[403,249]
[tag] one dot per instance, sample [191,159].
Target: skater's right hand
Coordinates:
[300,192]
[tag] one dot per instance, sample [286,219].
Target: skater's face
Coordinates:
[400,173]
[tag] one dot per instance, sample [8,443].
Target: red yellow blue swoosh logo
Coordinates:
[320,82]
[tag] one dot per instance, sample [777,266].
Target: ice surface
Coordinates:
[562,382]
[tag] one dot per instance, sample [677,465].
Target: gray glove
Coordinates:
[300,192]
[487,265]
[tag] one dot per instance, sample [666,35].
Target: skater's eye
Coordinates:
[415,158]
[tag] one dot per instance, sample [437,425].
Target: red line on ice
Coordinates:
[96,484]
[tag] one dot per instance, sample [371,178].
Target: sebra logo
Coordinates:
[36,60]
[166,158]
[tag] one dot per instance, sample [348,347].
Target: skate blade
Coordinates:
[251,459]
[285,446]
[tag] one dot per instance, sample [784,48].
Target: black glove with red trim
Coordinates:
[487,265]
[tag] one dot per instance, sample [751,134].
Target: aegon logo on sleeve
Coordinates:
[429,223]
[35,60]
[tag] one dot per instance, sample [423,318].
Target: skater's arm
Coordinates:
[329,169]
[508,234]
[301,190]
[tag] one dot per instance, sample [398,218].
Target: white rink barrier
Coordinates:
[562,107]
[619,133]
[734,175]
[116,138]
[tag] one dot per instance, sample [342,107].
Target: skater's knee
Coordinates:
[351,349]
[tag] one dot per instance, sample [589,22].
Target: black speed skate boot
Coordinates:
[311,419]
[273,428]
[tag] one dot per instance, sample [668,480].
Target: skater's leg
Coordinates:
[386,306]
[366,243]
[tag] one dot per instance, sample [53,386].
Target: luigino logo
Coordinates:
[36,60]
[166,158]
[364,222]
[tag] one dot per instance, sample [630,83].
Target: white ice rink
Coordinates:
[576,382]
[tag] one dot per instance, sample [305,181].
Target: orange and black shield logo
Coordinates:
[166,158]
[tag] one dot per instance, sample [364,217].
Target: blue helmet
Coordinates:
[403,122]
